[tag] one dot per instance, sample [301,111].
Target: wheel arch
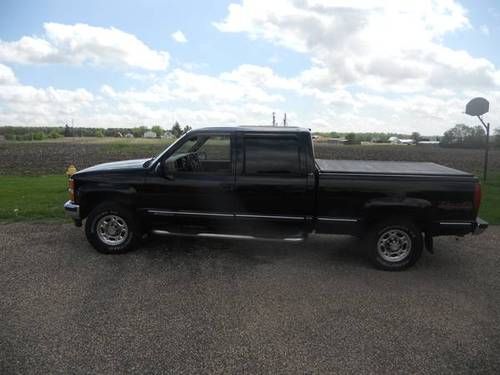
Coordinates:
[92,199]
[417,210]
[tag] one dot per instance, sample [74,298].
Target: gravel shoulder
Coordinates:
[193,306]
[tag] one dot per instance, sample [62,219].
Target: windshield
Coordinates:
[155,159]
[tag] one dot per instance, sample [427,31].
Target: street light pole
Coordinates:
[487,127]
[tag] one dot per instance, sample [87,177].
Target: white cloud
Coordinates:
[231,98]
[179,37]
[378,65]
[83,44]
[6,75]
[374,66]
[484,30]
[202,89]
[27,105]
[394,46]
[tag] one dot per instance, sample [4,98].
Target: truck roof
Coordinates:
[252,128]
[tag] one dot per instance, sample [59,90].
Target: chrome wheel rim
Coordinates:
[112,230]
[394,245]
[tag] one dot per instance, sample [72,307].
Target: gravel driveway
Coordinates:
[186,306]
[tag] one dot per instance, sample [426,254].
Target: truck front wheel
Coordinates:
[110,228]
[395,244]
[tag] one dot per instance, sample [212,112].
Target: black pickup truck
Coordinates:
[264,183]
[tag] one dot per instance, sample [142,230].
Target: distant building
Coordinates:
[336,141]
[407,141]
[394,140]
[168,135]
[330,140]
[428,143]
[149,134]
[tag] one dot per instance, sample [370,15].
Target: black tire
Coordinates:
[112,212]
[406,238]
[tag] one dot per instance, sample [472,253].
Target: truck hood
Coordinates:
[115,166]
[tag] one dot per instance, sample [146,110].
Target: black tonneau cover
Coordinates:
[386,167]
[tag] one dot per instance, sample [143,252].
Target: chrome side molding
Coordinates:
[226,236]
[338,219]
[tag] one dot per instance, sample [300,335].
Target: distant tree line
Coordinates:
[463,136]
[375,137]
[25,133]
[460,136]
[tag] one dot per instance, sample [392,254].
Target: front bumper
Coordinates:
[479,226]
[73,211]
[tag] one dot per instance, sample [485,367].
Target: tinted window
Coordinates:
[216,148]
[202,154]
[267,155]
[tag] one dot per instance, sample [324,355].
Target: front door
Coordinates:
[193,188]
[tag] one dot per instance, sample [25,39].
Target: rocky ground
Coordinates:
[186,306]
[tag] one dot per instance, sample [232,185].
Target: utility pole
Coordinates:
[274,119]
[284,120]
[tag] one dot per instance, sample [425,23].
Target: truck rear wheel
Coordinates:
[111,229]
[395,244]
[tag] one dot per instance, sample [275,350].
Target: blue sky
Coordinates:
[334,65]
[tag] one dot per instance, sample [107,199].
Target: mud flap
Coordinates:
[429,242]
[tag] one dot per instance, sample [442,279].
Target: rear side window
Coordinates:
[271,155]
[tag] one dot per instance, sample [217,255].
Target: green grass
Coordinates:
[490,205]
[24,198]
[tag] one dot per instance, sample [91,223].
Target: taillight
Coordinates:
[477,197]
[71,189]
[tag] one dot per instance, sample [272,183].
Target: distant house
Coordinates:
[397,141]
[168,135]
[407,141]
[149,134]
[330,140]
[336,141]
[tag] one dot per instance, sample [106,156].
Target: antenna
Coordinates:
[274,119]
[284,120]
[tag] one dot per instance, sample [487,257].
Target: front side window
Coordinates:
[202,154]
[272,155]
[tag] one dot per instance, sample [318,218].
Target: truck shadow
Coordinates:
[320,250]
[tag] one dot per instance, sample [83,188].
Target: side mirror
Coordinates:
[168,169]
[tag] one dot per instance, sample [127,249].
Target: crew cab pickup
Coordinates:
[265,183]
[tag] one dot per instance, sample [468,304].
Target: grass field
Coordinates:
[32,198]
[490,207]
[41,198]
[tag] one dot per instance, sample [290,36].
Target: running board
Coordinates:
[226,236]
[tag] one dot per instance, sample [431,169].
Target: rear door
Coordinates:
[274,192]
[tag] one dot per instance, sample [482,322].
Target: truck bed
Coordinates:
[386,168]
